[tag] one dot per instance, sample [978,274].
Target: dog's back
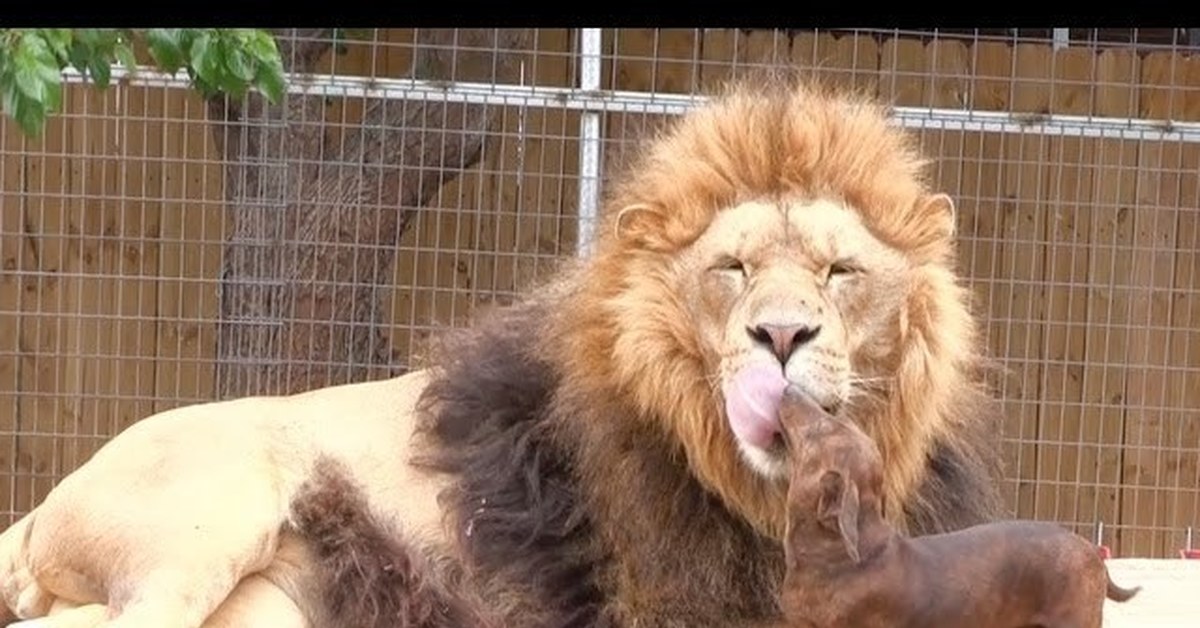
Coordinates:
[1033,571]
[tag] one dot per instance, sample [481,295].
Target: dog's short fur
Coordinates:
[846,566]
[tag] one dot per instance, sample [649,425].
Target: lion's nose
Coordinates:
[782,340]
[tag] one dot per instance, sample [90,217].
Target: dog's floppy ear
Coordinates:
[839,509]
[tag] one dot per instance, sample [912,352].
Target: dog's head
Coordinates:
[836,484]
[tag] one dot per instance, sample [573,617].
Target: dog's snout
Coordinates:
[783,339]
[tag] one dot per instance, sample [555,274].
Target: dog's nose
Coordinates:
[783,339]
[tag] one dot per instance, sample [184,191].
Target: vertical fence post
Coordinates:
[1062,38]
[589,141]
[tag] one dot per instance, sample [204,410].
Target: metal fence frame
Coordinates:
[583,93]
[592,101]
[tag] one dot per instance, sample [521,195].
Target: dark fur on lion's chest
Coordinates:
[528,524]
[662,549]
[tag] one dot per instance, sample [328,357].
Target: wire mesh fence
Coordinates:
[160,250]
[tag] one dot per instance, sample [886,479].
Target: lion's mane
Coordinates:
[595,480]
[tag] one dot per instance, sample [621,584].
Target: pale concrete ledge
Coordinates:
[1170,595]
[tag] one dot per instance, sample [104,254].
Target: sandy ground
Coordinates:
[1170,595]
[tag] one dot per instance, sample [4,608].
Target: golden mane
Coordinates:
[624,332]
[773,138]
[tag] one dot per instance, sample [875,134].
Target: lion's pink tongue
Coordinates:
[752,401]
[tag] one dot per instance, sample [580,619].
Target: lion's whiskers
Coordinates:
[867,389]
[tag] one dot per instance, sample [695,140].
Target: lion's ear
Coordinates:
[640,225]
[939,214]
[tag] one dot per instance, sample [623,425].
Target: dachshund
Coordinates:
[848,567]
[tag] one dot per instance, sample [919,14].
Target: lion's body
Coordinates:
[227,468]
[603,447]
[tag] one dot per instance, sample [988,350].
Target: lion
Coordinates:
[605,450]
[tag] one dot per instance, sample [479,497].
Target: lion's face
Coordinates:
[796,292]
[777,235]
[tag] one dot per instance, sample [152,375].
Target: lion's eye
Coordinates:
[731,264]
[840,269]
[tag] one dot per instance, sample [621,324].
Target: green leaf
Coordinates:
[261,46]
[239,65]
[88,36]
[35,49]
[25,72]
[106,38]
[47,69]
[187,36]
[100,71]
[206,58]
[224,78]
[270,81]
[124,54]
[165,48]
[79,56]
[29,82]
[205,88]
[59,40]
[11,96]
[30,116]
[53,98]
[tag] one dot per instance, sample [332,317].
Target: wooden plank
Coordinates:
[1110,233]
[1161,93]
[764,49]
[191,234]
[452,253]
[357,56]
[730,53]
[675,69]
[132,280]
[47,408]
[718,50]
[406,298]
[991,64]
[902,78]
[1151,276]
[1068,187]
[1023,266]
[949,149]
[548,143]
[983,257]
[553,58]
[1180,472]
[551,194]
[948,63]
[90,289]
[18,257]
[633,50]
[396,52]
[847,61]
[464,243]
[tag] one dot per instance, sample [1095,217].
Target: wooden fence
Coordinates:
[1082,251]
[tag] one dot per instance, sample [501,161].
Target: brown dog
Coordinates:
[846,566]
